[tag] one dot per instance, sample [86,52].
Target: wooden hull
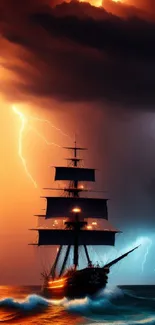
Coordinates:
[82,283]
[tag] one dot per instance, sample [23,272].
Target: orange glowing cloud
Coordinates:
[102,3]
[95,3]
[118,1]
[126,8]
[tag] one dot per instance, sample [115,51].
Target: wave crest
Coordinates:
[111,306]
[29,303]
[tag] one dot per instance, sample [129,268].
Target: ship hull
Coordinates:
[82,283]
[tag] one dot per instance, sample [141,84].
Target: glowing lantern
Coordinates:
[76,210]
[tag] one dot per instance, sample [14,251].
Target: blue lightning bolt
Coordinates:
[149,244]
[145,244]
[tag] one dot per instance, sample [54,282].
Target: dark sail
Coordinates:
[74,174]
[85,237]
[63,206]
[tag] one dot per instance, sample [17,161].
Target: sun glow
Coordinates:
[100,3]
[95,3]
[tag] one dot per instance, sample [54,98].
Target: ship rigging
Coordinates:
[76,211]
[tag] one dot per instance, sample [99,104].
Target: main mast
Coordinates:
[76,211]
[75,164]
[75,224]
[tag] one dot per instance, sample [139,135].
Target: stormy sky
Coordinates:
[77,52]
[91,70]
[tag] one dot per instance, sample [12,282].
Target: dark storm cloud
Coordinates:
[76,52]
[133,39]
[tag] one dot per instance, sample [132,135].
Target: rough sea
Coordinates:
[125,305]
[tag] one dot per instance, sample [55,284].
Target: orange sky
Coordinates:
[111,145]
[19,198]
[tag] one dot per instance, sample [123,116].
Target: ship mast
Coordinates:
[76,211]
[76,224]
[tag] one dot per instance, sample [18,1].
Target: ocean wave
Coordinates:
[113,306]
[143,321]
[29,303]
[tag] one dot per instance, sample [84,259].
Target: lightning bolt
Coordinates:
[44,139]
[145,244]
[48,122]
[24,122]
[146,253]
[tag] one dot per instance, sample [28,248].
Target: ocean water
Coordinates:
[125,305]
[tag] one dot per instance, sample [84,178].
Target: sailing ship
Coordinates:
[72,231]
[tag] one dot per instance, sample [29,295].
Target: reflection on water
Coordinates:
[132,305]
[20,305]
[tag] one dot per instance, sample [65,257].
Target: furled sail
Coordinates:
[85,237]
[75,148]
[74,174]
[63,206]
